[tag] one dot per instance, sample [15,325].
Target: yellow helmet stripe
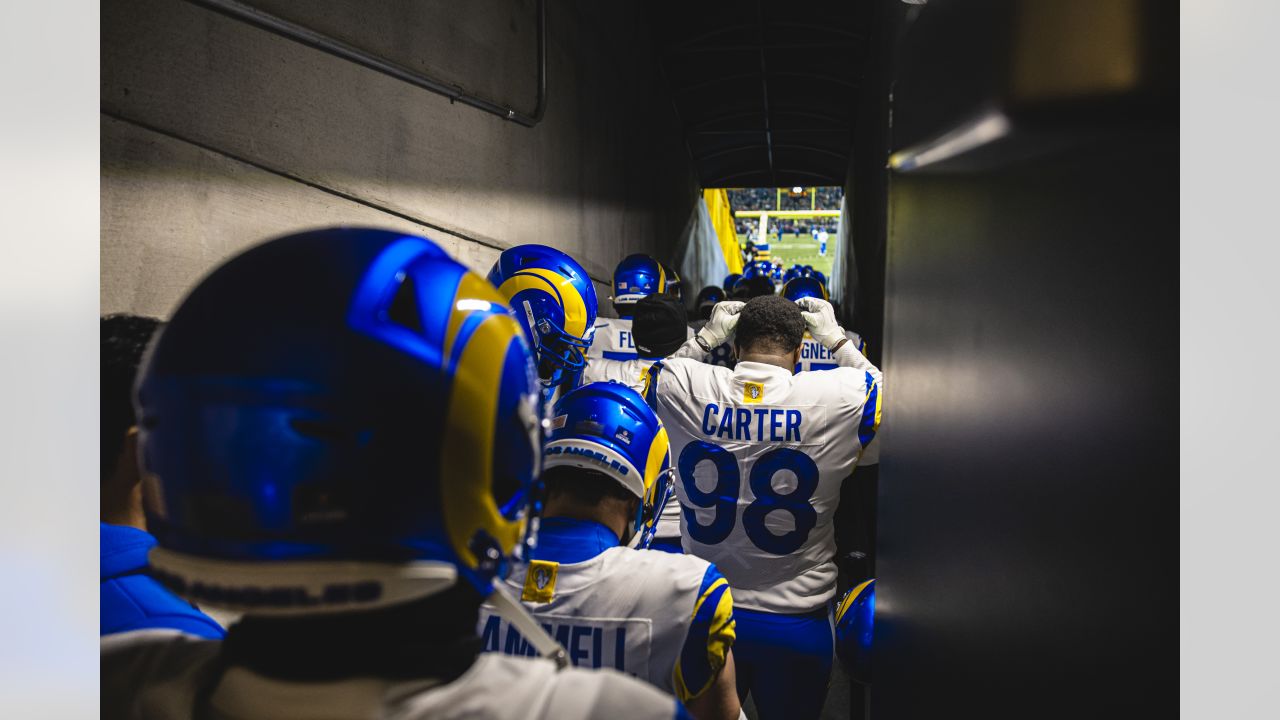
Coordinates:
[662,279]
[470,287]
[466,468]
[653,465]
[848,599]
[575,308]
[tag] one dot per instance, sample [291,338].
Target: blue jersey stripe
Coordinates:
[870,413]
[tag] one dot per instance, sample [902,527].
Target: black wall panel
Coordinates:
[1027,542]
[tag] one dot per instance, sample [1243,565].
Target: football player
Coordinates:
[756,282]
[730,280]
[761,454]
[665,618]
[660,326]
[340,437]
[555,302]
[812,355]
[130,599]
[637,276]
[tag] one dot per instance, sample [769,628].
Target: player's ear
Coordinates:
[795,355]
[736,352]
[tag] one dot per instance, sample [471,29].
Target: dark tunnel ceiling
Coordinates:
[765,91]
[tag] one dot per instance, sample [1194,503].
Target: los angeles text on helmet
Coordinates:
[599,457]
[351,593]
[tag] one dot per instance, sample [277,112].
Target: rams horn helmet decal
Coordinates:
[554,301]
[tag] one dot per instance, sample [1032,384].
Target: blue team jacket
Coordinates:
[131,600]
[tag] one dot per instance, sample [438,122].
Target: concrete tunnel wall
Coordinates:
[217,135]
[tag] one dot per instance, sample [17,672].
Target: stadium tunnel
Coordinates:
[1010,244]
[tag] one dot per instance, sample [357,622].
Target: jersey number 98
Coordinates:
[724,496]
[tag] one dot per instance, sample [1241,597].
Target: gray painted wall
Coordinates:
[217,135]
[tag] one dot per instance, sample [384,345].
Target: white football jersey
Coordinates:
[760,454]
[813,356]
[628,372]
[613,340]
[158,675]
[664,618]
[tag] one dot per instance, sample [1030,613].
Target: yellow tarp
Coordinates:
[722,220]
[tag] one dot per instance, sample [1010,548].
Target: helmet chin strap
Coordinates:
[516,614]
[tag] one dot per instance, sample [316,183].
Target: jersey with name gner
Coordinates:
[813,356]
[664,618]
[760,455]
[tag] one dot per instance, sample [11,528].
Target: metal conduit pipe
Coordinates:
[301,34]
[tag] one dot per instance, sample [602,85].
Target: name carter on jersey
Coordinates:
[732,423]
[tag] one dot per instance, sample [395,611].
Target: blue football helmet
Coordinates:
[790,274]
[607,427]
[554,301]
[730,280]
[338,420]
[821,278]
[635,277]
[707,299]
[806,271]
[803,287]
[855,620]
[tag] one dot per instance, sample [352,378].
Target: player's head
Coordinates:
[769,326]
[554,301]
[122,338]
[755,282]
[803,287]
[338,420]
[608,448]
[730,280]
[855,617]
[674,288]
[707,299]
[636,276]
[660,326]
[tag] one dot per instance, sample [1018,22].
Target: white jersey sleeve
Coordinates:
[628,372]
[664,618]
[760,454]
[153,676]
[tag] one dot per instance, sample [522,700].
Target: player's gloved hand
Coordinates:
[724,318]
[820,319]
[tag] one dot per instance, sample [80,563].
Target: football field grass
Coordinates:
[799,249]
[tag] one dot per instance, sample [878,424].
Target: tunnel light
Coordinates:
[980,131]
[797,189]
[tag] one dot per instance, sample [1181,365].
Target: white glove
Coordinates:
[820,319]
[724,318]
